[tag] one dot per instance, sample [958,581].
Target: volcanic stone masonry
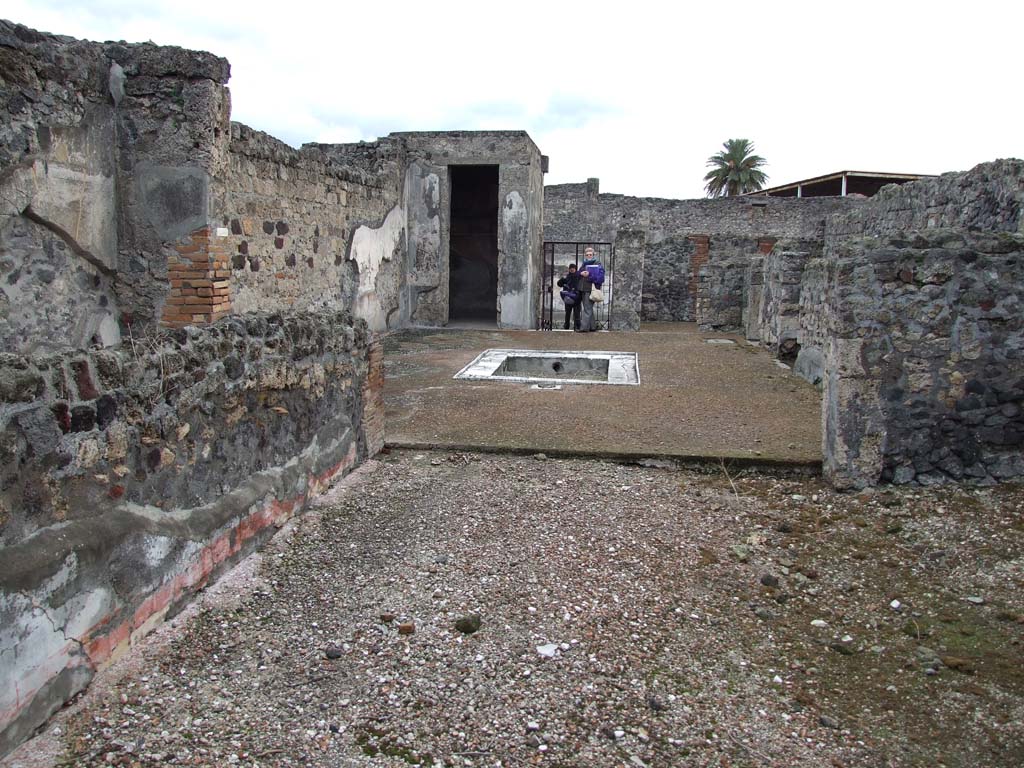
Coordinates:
[906,307]
[190,311]
[131,475]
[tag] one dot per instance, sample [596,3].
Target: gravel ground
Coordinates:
[664,620]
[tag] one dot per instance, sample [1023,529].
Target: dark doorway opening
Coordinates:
[473,244]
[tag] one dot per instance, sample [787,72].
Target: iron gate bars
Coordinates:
[558,255]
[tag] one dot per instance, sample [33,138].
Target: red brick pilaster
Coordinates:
[199,272]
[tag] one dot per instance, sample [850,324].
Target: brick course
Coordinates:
[199,294]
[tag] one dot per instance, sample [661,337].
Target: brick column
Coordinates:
[373,398]
[697,260]
[199,273]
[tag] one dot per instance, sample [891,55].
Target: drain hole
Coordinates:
[557,366]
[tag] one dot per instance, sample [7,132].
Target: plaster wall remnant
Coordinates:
[371,247]
[513,280]
[425,298]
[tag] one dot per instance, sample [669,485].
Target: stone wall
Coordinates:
[624,288]
[57,146]
[667,277]
[106,153]
[812,333]
[925,360]
[987,198]
[721,288]
[306,231]
[130,201]
[131,475]
[779,305]
[520,204]
[922,357]
[581,212]
[681,234]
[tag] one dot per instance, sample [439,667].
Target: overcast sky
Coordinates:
[636,93]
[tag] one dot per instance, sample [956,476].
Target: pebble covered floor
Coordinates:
[458,609]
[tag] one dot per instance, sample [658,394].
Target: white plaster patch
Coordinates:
[82,203]
[40,641]
[156,549]
[371,248]
[514,306]
[109,331]
[86,610]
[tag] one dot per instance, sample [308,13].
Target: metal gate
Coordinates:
[558,255]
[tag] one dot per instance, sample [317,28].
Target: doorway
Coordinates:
[473,244]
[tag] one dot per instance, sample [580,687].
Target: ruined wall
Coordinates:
[131,475]
[780,296]
[57,147]
[925,363]
[812,333]
[306,231]
[987,198]
[106,152]
[721,288]
[172,113]
[667,276]
[136,461]
[624,288]
[520,213]
[581,212]
[753,288]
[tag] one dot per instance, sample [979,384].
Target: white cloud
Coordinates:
[639,95]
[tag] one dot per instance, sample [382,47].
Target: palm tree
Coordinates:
[735,170]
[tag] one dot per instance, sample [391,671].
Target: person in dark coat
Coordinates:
[570,281]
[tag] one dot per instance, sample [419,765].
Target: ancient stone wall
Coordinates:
[753,296]
[721,288]
[925,361]
[299,226]
[130,201]
[922,342]
[130,475]
[581,212]
[812,334]
[667,276]
[625,285]
[987,198]
[779,305]
[520,213]
[57,258]
[106,152]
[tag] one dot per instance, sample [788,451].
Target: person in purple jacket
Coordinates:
[587,320]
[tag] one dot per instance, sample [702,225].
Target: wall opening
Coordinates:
[473,244]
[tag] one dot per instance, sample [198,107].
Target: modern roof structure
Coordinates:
[840,184]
